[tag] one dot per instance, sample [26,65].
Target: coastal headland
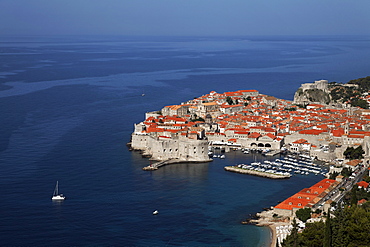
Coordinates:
[247,120]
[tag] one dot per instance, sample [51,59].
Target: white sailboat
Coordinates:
[56,195]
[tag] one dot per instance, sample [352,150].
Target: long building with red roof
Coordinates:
[308,197]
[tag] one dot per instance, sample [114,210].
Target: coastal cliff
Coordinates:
[336,94]
[313,92]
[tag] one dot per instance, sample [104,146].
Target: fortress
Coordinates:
[180,148]
[162,148]
[317,91]
[321,84]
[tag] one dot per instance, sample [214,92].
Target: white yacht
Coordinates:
[56,195]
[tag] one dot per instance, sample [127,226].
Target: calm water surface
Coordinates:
[68,106]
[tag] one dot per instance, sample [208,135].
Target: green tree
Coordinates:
[358,227]
[328,234]
[348,152]
[333,175]
[339,225]
[292,240]
[312,235]
[353,197]
[358,153]
[350,226]
[229,100]
[360,103]
[354,153]
[303,214]
[346,172]
[363,83]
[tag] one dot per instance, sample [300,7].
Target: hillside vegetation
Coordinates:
[348,225]
[352,93]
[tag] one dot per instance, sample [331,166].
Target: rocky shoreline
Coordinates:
[255,173]
[266,219]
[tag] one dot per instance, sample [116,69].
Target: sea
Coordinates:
[68,105]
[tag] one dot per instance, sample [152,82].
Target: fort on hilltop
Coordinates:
[317,91]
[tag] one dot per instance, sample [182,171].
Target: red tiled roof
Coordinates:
[311,132]
[271,136]
[254,135]
[306,197]
[252,90]
[301,141]
[363,184]
[353,162]
[355,136]
[338,132]
[362,201]
[164,137]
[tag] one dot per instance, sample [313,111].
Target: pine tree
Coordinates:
[294,233]
[328,233]
[292,239]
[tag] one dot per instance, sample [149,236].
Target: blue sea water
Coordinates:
[67,109]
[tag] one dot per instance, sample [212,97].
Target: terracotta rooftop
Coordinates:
[307,197]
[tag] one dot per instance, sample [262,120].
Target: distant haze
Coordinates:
[184,17]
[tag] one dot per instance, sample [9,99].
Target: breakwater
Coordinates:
[256,173]
[156,165]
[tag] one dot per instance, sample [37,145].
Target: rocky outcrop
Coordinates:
[317,92]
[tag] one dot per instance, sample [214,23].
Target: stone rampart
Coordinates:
[184,150]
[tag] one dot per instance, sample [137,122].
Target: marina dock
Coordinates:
[272,153]
[256,173]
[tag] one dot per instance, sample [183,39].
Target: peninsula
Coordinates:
[329,122]
[251,120]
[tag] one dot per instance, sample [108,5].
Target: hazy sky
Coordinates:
[184,17]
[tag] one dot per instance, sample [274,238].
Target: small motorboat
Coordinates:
[155,212]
